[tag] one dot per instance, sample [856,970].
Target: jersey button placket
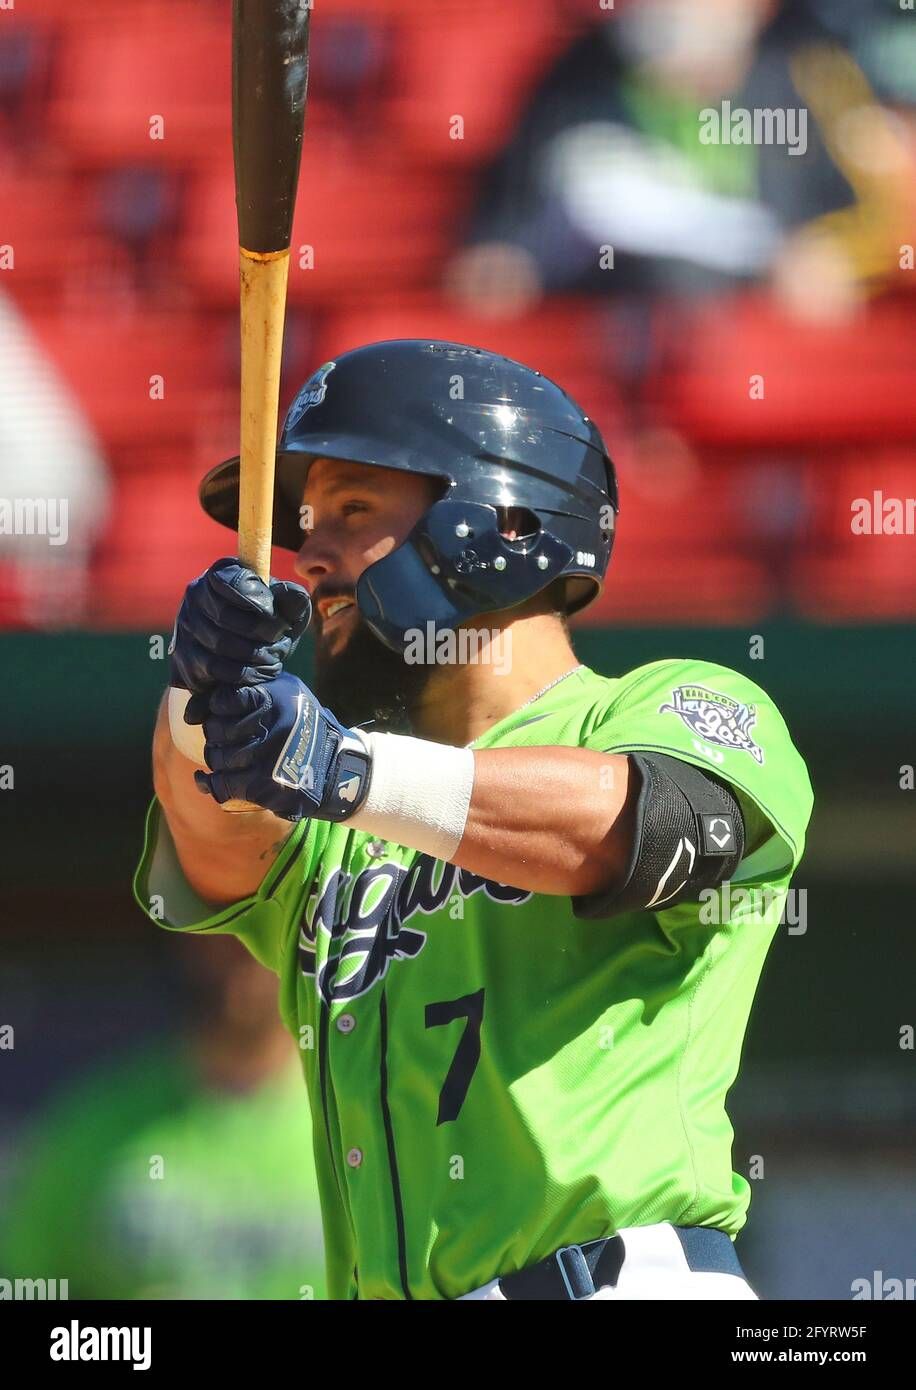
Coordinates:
[345,1023]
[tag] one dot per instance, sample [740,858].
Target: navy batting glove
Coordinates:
[276,746]
[233,629]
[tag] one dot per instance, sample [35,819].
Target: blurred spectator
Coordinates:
[348,70]
[24,69]
[53,486]
[610,184]
[140,206]
[184,1171]
[884,44]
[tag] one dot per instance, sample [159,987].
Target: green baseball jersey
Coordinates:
[495,1073]
[142,1182]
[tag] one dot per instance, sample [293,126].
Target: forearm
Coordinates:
[551,820]
[547,819]
[223,855]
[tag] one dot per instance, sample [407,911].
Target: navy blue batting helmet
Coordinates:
[514,454]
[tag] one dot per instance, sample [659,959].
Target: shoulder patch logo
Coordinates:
[312,393]
[716,718]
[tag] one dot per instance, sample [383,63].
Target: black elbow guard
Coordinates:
[688,835]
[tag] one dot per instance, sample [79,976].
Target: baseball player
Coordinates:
[499,890]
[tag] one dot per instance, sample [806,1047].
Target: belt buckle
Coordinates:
[581,1268]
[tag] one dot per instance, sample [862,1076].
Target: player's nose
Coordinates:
[315,561]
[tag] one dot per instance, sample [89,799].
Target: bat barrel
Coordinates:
[269,82]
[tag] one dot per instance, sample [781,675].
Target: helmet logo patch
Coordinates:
[312,393]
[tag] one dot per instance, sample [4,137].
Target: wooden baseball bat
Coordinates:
[269,79]
[270,46]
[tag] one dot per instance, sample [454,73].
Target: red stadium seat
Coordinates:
[157,540]
[109,356]
[695,585]
[44,218]
[866,579]
[687,551]
[119,68]
[868,574]
[117,73]
[821,383]
[370,220]
[408,10]
[61,12]
[670,496]
[475,62]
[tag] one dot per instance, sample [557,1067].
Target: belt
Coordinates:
[577,1271]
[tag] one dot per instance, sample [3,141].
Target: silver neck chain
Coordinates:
[565,676]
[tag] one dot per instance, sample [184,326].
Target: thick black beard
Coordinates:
[369,683]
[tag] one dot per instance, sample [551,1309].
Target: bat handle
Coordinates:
[263,280]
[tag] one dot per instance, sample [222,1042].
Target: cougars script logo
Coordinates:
[312,393]
[716,718]
[364,916]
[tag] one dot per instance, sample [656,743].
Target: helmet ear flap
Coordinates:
[455,565]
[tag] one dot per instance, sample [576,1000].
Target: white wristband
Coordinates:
[419,794]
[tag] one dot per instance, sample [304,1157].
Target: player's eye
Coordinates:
[353,507]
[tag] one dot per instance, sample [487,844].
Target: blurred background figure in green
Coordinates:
[183,1170]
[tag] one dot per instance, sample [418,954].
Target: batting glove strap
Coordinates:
[328,764]
[275,745]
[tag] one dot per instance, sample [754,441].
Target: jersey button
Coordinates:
[375,848]
[346,1023]
[354,1157]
